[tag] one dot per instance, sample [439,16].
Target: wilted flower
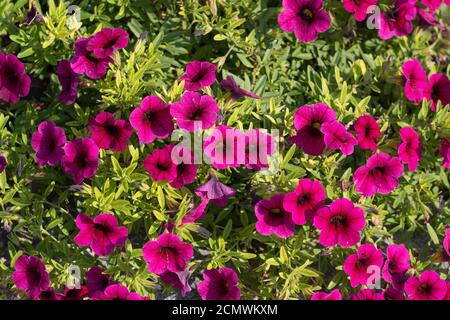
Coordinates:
[178,280]
[196,213]
[219,284]
[215,191]
[229,84]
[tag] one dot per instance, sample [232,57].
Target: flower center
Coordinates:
[338,220]
[275,213]
[302,199]
[10,77]
[306,14]
[111,130]
[223,287]
[101,227]
[424,288]
[33,275]
[199,75]
[161,166]
[197,114]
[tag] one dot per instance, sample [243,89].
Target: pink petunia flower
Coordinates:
[337,137]
[393,294]
[30,275]
[85,62]
[3,163]
[167,253]
[101,233]
[74,293]
[160,166]
[48,142]
[358,7]
[429,286]
[416,84]
[105,42]
[152,119]
[398,20]
[219,284]
[221,147]
[215,191]
[120,292]
[259,146]
[444,151]
[439,90]
[340,223]
[48,294]
[96,282]
[367,131]
[305,18]
[410,150]
[427,19]
[379,175]
[199,74]
[396,265]
[333,295]
[194,109]
[432,4]
[69,82]
[357,266]
[196,213]
[178,280]
[109,133]
[368,294]
[229,84]
[308,121]
[14,82]
[186,171]
[273,219]
[447,241]
[80,159]
[304,200]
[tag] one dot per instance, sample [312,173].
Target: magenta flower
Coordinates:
[221,147]
[358,7]
[219,284]
[74,293]
[229,84]
[96,282]
[30,275]
[167,253]
[80,159]
[105,42]
[186,170]
[307,121]
[447,241]
[196,213]
[178,280]
[14,82]
[304,200]
[379,175]
[258,147]
[367,294]
[447,296]
[439,90]
[444,151]
[368,132]
[48,142]
[340,223]
[102,233]
[199,74]
[3,163]
[195,110]
[85,62]
[215,191]
[160,166]
[398,21]
[416,82]
[69,82]
[333,295]
[273,219]
[393,294]
[152,119]
[337,137]
[120,292]
[427,19]
[49,294]
[305,18]
[357,266]
[109,133]
[410,150]
[429,286]
[432,4]
[396,265]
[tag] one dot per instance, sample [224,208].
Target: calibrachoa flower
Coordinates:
[229,84]
[340,223]
[358,7]
[429,286]
[186,170]
[30,275]
[416,82]
[219,284]
[427,19]
[74,293]
[194,107]
[167,253]
[410,150]
[178,280]
[221,147]
[357,266]
[393,294]
[109,133]
[398,20]
[273,219]
[308,121]
[49,294]
[3,163]
[333,295]
[120,292]
[379,175]
[80,159]
[196,213]
[432,4]
[304,200]
[160,166]
[258,147]
[447,241]
[368,294]
[396,265]
[439,90]
[69,82]
[305,18]
[215,191]
[337,137]
[101,233]
[48,142]
[96,282]
[444,151]
[14,82]
[86,62]
[105,42]
[199,74]
[367,131]
[152,119]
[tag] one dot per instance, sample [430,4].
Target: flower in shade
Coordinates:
[33,15]
[393,294]
[48,142]
[273,219]
[160,166]
[305,18]
[96,282]
[307,121]
[398,20]
[304,200]
[340,223]
[447,241]
[178,280]
[379,175]
[74,293]
[229,84]
[439,90]
[152,119]
[186,170]
[358,7]
[199,74]
[109,133]
[120,292]
[14,82]
[3,163]
[367,131]
[215,191]
[337,137]
[194,111]
[444,151]
[429,286]
[167,253]
[69,82]
[416,82]
[86,62]
[80,159]
[410,150]
[30,275]
[105,42]
[48,294]
[358,266]
[396,265]
[101,233]
[333,295]
[221,147]
[368,294]
[219,284]
[258,147]
[196,213]
[432,4]
[427,19]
